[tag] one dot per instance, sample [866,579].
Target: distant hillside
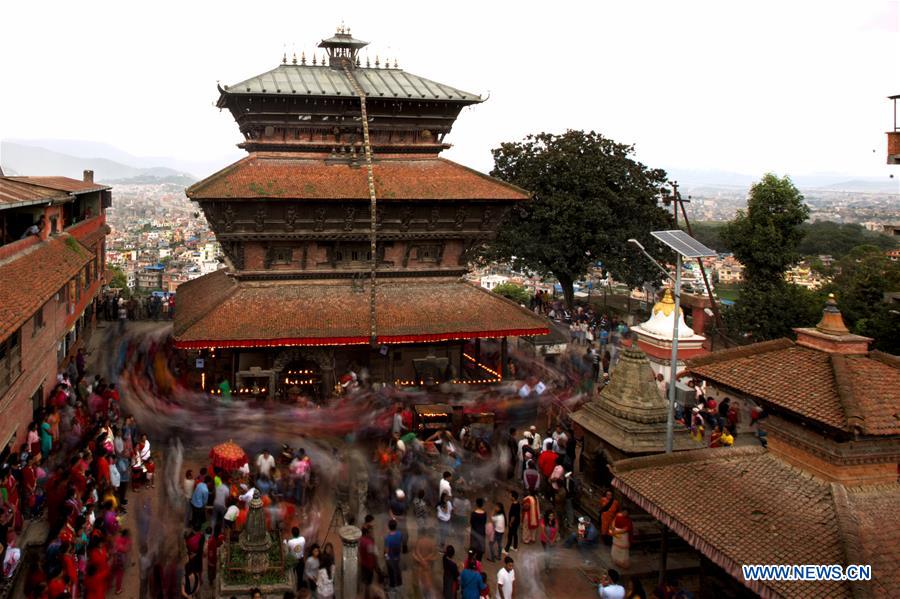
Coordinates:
[36,161]
[195,165]
[709,182]
[180,180]
[867,185]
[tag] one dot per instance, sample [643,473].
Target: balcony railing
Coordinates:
[84,228]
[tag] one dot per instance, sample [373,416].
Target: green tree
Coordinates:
[765,238]
[589,196]
[516,293]
[866,274]
[709,233]
[118,280]
[837,239]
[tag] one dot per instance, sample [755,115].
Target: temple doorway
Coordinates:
[300,379]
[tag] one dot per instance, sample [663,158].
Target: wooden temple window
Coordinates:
[429,253]
[352,254]
[282,255]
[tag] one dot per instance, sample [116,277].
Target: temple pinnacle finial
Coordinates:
[314,59]
[294,59]
[302,57]
[284,58]
[377,61]
[832,322]
[368,65]
[323,60]
[395,62]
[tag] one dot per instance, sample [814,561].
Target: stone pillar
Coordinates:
[349,560]
[504,358]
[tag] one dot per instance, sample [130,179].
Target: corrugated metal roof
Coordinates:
[21,193]
[340,39]
[291,79]
[62,184]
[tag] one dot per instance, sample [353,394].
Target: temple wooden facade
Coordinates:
[296,307]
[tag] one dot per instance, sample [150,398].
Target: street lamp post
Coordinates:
[684,246]
[670,418]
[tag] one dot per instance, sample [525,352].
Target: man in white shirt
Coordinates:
[444,486]
[527,439]
[264,463]
[506,577]
[231,515]
[247,495]
[296,545]
[609,586]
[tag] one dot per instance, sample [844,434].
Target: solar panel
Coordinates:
[683,243]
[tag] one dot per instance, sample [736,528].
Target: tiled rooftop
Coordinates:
[745,506]
[217,309]
[288,176]
[803,380]
[33,276]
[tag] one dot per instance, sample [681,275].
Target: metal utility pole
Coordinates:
[677,201]
[670,418]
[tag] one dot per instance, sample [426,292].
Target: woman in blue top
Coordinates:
[470,581]
[46,439]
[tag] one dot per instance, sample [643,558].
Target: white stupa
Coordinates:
[654,336]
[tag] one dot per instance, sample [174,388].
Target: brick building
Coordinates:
[52,259]
[336,262]
[823,491]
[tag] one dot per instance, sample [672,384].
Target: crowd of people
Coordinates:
[113,307]
[74,469]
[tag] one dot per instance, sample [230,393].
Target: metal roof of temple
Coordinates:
[342,38]
[321,80]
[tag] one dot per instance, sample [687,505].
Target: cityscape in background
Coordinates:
[160,239]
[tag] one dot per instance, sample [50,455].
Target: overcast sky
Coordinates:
[794,87]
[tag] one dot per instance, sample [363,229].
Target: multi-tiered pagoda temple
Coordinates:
[295,305]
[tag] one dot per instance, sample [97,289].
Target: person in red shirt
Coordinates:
[368,560]
[69,568]
[59,586]
[98,559]
[102,471]
[212,548]
[76,476]
[547,462]
[94,583]
[59,398]
[121,551]
[29,486]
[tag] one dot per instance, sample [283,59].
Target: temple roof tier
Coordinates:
[218,311]
[324,81]
[310,176]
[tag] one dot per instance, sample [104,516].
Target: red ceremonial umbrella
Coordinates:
[228,455]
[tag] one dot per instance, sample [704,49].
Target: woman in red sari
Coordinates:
[622,530]
[531,518]
[10,492]
[609,507]
[29,486]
